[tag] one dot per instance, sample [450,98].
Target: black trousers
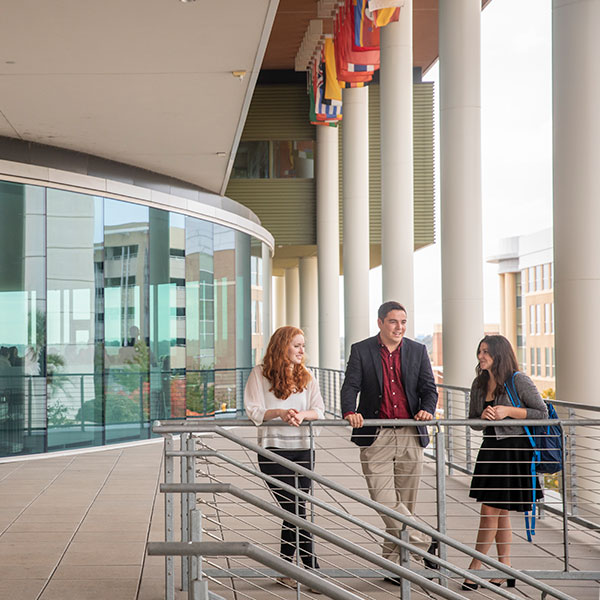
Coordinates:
[288,502]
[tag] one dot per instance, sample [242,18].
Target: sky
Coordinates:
[516,129]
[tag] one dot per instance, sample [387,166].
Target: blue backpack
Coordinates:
[547,444]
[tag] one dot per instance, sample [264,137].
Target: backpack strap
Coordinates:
[516,402]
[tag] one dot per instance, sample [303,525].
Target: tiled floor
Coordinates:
[76,526]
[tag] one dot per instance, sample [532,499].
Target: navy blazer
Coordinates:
[364,376]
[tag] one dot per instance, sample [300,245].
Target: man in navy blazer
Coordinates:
[392,376]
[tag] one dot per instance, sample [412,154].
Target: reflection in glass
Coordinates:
[126,320]
[200,316]
[124,315]
[293,159]
[256,295]
[251,161]
[22,318]
[74,352]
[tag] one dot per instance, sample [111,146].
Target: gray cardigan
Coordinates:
[530,400]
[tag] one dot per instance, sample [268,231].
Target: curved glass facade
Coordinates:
[114,314]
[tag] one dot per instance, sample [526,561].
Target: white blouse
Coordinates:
[258,399]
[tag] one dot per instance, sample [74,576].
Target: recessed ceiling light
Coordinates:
[221,154]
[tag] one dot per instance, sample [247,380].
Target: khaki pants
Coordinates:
[392,467]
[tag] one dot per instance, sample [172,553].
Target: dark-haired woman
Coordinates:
[283,389]
[502,479]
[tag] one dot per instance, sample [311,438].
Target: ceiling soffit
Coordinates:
[144,82]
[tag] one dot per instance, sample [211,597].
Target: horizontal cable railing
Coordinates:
[339,462]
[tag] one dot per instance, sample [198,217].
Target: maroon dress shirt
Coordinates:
[394,404]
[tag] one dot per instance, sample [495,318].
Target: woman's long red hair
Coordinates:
[285,376]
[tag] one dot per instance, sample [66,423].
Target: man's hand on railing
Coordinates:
[355,419]
[423,415]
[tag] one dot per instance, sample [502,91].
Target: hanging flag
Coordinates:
[325,112]
[379,4]
[366,32]
[333,90]
[351,66]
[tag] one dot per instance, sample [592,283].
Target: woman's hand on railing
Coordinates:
[292,417]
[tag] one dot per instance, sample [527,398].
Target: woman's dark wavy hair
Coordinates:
[504,365]
[285,376]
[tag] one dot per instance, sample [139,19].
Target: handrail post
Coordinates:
[311,432]
[450,445]
[571,453]
[198,587]
[404,562]
[190,463]
[440,480]
[297,512]
[185,510]
[563,486]
[169,520]
[81,401]
[29,404]
[468,448]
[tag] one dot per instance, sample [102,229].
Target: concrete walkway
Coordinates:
[76,526]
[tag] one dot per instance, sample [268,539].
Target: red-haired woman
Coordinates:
[283,389]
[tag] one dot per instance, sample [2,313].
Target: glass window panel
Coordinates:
[74,359]
[22,319]
[199,323]
[531,287]
[547,283]
[257,298]
[532,319]
[293,159]
[167,263]
[538,358]
[126,320]
[251,161]
[547,361]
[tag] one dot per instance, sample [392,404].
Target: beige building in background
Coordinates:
[526,272]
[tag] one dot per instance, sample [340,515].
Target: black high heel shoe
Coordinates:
[469,586]
[510,583]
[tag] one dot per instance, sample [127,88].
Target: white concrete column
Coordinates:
[328,246]
[355,176]
[279,319]
[576,131]
[309,308]
[510,308]
[460,179]
[576,121]
[397,164]
[292,297]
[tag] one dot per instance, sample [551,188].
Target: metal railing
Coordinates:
[440,489]
[41,413]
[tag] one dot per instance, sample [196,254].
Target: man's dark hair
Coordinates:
[387,307]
